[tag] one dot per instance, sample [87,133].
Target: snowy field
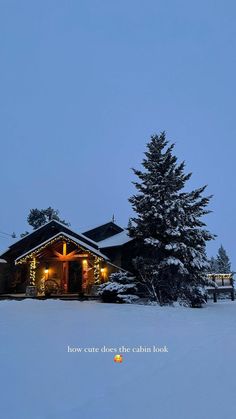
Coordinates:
[41,380]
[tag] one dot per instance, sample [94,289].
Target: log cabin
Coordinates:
[55,259]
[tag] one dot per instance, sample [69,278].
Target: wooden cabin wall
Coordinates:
[114,254]
[13,278]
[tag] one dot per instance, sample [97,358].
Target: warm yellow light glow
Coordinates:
[46,271]
[85,262]
[102,270]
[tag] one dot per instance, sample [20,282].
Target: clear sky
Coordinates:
[83,85]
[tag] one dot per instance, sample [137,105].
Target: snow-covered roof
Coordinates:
[2,261]
[73,231]
[72,238]
[93,226]
[39,228]
[117,240]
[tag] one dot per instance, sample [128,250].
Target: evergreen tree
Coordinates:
[37,218]
[168,225]
[213,266]
[129,225]
[223,262]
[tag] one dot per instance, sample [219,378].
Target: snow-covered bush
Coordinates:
[193,297]
[121,288]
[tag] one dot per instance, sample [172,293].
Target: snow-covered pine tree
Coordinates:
[195,237]
[129,225]
[168,224]
[213,266]
[223,261]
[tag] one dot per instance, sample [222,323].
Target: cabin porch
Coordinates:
[61,267]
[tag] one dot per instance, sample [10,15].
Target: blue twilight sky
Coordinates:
[83,85]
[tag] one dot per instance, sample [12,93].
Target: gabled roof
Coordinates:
[103,231]
[61,236]
[40,235]
[115,240]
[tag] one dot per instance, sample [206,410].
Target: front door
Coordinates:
[75,277]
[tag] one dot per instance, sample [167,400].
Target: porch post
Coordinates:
[65,272]
[84,274]
[31,290]
[32,271]
[96,271]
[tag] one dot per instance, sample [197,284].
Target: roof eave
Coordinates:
[73,239]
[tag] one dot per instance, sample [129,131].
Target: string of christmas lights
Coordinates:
[33,255]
